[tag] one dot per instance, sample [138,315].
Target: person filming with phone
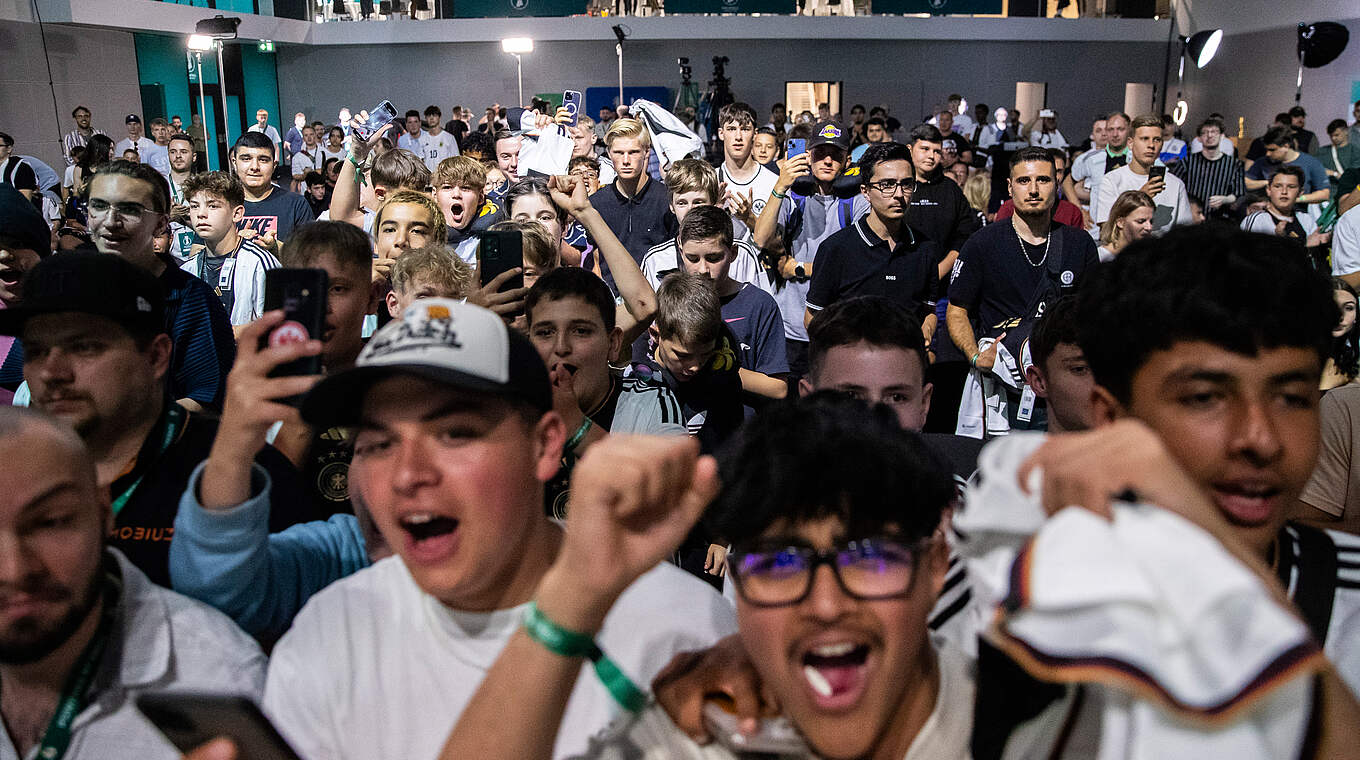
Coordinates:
[1147,173]
[802,212]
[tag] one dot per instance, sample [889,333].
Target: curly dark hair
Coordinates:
[829,455]
[1239,290]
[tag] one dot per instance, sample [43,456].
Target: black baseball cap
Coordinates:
[132,118]
[22,223]
[101,284]
[829,133]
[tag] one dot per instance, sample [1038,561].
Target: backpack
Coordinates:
[794,226]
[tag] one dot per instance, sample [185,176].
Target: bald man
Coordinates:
[81,628]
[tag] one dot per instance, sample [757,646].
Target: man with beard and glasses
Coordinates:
[82,630]
[78,136]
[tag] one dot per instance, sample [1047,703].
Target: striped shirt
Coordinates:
[73,139]
[1204,178]
[1320,570]
[204,347]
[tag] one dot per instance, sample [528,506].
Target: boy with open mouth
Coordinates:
[1216,429]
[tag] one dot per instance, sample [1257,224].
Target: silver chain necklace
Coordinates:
[1025,251]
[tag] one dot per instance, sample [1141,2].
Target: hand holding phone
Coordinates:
[775,735]
[189,720]
[1156,182]
[382,114]
[500,268]
[301,294]
[571,100]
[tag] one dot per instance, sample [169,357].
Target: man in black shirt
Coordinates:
[1007,271]
[271,211]
[97,357]
[634,206]
[1304,139]
[939,209]
[880,254]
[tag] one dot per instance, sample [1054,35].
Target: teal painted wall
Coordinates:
[262,88]
[235,6]
[161,60]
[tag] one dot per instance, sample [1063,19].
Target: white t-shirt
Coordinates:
[142,145]
[68,178]
[158,158]
[1173,205]
[1264,222]
[759,186]
[944,736]
[436,148]
[327,154]
[269,131]
[373,667]
[745,268]
[308,160]
[409,142]
[1043,139]
[1346,243]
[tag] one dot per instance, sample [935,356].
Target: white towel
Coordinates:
[1193,653]
[671,139]
[983,407]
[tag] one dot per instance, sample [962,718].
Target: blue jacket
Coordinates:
[228,559]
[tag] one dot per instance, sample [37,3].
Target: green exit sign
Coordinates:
[266,46]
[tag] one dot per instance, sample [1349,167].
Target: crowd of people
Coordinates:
[1072,426]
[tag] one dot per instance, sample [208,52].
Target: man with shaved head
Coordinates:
[81,628]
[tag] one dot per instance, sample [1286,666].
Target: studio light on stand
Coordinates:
[1199,47]
[217,29]
[517,46]
[197,44]
[621,34]
[1320,43]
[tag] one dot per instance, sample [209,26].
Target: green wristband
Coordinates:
[778,194]
[973,361]
[569,643]
[557,639]
[359,177]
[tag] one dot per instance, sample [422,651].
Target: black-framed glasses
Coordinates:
[866,569]
[890,186]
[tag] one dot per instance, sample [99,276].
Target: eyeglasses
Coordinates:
[867,569]
[890,187]
[131,211]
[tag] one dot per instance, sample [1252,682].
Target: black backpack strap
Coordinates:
[1315,589]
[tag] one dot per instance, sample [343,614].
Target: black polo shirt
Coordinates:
[639,222]
[147,495]
[856,262]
